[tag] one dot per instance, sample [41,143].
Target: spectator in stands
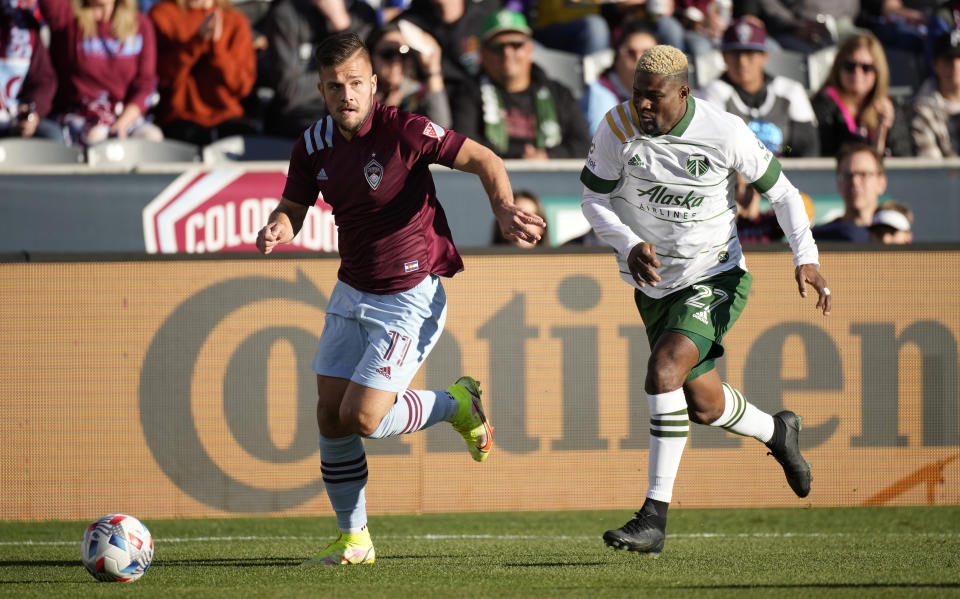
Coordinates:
[853,104]
[898,24]
[529,202]
[206,67]
[662,16]
[396,64]
[105,55]
[518,112]
[575,27]
[808,25]
[27,77]
[892,224]
[704,22]
[456,25]
[775,108]
[615,85]
[755,225]
[936,107]
[293,29]
[861,181]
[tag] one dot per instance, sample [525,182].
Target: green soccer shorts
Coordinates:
[704,312]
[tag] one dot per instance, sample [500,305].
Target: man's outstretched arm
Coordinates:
[482,162]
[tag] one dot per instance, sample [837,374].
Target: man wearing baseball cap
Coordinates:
[892,224]
[776,108]
[515,109]
[936,107]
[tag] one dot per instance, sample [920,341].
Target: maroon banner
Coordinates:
[222,210]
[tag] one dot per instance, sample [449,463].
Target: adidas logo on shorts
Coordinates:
[701,316]
[384,371]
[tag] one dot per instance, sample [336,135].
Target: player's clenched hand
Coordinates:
[518,224]
[808,274]
[643,263]
[268,237]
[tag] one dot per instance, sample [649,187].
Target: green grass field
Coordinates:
[849,552]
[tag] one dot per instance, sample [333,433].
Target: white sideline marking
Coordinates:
[444,537]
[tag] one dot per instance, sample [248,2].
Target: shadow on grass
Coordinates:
[215,562]
[554,564]
[41,562]
[34,581]
[251,562]
[387,558]
[826,585]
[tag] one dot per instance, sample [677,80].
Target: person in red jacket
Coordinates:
[104,52]
[27,79]
[206,65]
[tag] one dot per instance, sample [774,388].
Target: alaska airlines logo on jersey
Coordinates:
[636,161]
[697,165]
[660,194]
[373,173]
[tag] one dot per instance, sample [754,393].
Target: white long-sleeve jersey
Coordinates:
[676,191]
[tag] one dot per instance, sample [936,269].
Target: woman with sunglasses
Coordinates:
[615,84]
[407,78]
[853,104]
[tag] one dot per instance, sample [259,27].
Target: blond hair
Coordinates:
[124,22]
[868,113]
[662,60]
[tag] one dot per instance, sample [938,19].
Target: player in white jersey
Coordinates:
[658,187]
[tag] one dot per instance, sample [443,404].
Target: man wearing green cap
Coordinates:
[515,109]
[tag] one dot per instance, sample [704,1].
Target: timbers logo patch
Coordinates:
[697,165]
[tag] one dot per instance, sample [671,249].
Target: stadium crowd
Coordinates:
[82,71]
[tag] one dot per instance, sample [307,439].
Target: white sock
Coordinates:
[415,410]
[743,418]
[669,427]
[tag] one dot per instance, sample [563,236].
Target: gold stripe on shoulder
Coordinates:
[613,127]
[634,117]
[622,113]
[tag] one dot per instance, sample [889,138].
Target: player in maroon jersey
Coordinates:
[388,308]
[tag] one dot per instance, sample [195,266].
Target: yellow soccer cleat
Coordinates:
[350,548]
[470,420]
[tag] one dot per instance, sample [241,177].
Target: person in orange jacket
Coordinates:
[206,67]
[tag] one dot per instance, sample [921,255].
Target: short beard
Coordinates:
[655,130]
[353,130]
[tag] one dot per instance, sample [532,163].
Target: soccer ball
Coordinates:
[117,548]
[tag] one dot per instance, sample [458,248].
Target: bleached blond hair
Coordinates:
[662,60]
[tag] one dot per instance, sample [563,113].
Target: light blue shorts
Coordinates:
[380,341]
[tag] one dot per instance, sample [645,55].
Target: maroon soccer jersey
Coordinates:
[392,230]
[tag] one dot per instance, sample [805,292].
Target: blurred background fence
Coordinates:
[187,208]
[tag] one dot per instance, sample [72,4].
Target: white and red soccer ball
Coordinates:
[117,548]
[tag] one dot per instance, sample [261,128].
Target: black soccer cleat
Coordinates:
[645,533]
[787,452]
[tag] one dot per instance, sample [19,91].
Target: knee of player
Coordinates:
[328,415]
[664,375]
[359,421]
[704,414]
